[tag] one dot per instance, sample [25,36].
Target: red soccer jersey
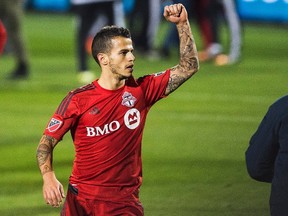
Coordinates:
[107,127]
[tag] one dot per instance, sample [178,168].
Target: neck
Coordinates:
[111,83]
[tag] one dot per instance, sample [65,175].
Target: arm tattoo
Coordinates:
[188,50]
[188,64]
[174,82]
[44,153]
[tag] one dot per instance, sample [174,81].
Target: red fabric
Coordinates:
[77,206]
[107,127]
[3,37]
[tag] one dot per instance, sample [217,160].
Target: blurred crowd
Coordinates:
[143,18]
[11,18]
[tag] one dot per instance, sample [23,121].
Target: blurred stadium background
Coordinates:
[269,10]
[194,141]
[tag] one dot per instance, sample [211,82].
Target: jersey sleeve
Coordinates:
[64,118]
[154,86]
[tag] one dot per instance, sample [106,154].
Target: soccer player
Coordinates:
[106,120]
[267,155]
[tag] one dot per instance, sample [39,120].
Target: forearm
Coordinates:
[188,63]
[44,154]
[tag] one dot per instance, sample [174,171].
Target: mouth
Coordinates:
[130,67]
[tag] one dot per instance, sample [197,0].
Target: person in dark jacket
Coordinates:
[267,155]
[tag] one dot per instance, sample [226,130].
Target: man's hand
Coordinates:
[53,191]
[175,13]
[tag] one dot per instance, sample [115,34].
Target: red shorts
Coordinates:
[78,206]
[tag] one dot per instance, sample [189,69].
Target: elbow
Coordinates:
[195,64]
[259,172]
[258,176]
[197,68]
[194,68]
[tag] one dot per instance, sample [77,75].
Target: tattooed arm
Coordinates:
[53,191]
[189,63]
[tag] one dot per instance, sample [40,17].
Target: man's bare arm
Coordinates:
[44,153]
[53,191]
[188,63]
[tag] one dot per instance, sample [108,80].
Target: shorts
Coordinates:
[78,206]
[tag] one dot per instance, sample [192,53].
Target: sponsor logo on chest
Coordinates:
[131,119]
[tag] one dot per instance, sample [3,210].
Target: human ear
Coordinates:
[102,58]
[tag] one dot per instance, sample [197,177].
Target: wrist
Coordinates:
[48,174]
[182,23]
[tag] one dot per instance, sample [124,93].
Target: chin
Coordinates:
[126,76]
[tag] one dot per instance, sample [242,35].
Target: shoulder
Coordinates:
[279,109]
[281,104]
[79,93]
[147,78]
[82,90]
[282,100]
[75,99]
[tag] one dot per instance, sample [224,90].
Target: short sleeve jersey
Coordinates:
[106,127]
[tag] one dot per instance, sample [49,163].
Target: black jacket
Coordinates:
[267,155]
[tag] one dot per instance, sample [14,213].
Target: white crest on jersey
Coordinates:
[132,118]
[128,99]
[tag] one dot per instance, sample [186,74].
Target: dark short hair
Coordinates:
[102,40]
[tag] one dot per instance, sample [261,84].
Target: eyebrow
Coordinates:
[126,50]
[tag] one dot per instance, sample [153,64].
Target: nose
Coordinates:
[131,56]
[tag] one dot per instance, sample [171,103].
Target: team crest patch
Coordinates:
[128,99]
[54,125]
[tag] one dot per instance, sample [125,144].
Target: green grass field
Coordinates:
[194,141]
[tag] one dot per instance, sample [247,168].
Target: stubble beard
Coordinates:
[117,74]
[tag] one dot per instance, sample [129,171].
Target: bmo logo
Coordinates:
[106,129]
[132,118]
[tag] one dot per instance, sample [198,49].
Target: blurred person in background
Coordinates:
[106,119]
[3,37]
[11,13]
[231,17]
[207,16]
[143,22]
[267,155]
[92,15]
